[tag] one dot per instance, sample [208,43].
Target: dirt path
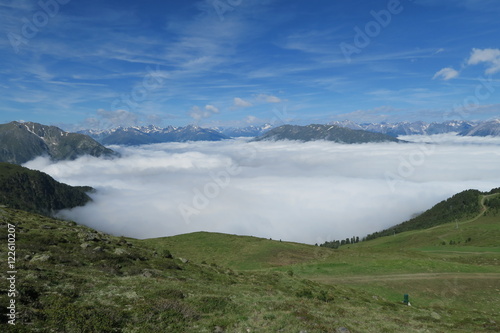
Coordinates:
[484,208]
[405,277]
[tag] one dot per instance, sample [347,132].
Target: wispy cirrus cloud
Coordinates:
[446,74]
[268,98]
[91,54]
[198,113]
[239,102]
[479,5]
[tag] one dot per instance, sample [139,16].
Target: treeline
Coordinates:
[335,244]
[461,206]
[493,203]
[493,191]
[37,192]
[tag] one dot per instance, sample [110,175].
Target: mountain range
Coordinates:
[248,131]
[22,142]
[324,132]
[487,128]
[140,135]
[463,128]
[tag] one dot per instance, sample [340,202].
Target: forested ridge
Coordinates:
[461,206]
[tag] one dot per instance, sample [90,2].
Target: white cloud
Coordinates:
[307,192]
[446,74]
[238,102]
[269,98]
[211,108]
[489,56]
[253,120]
[197,113]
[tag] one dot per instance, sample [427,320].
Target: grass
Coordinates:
[237,252]
[462,277]
[74,279]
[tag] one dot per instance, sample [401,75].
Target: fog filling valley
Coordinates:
[306,192]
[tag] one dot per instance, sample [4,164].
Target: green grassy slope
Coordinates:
[481,229]
[238,252]
[74,279]
[453,266]
[464,205]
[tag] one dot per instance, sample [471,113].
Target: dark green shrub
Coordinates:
[210,304]
[304,293]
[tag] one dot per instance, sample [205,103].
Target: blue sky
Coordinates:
[99,64]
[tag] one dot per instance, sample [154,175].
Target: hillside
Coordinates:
[324,132]
[448,267]
[22,142]
[78,279]
[462,206]
[238,252]
[35,191]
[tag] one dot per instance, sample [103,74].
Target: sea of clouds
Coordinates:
[305,192]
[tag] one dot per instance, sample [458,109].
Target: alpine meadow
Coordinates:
[244,166]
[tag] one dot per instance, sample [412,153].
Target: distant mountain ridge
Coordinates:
[139,135]
[487,128]
[22,142]
[324,132]
[35,191]
[248,131]
[462,127]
